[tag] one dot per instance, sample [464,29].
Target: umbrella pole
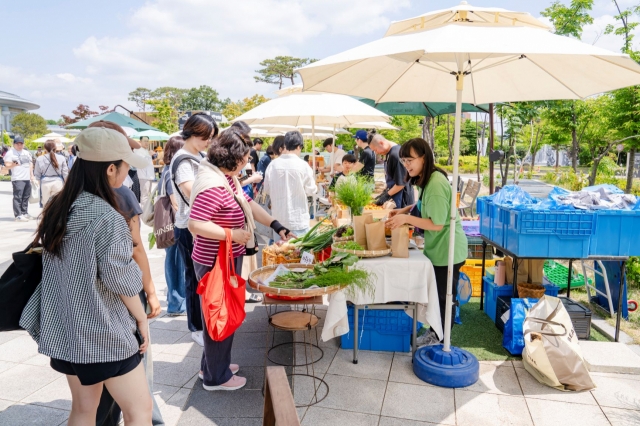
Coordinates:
[333,148]
[454,213]
[313,155]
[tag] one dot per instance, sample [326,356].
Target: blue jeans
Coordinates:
[184,240]
[174,274]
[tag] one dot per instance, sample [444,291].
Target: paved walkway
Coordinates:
[380,391]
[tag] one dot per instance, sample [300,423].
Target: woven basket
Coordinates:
[265,272]
[342,239]
[269,259]
[534,291]
[362,253]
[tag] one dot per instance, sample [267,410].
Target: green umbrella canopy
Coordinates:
[153,135]
[114,117]
[432,109]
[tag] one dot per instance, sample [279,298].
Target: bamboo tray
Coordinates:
[342,239]
[362,253]
[266,271]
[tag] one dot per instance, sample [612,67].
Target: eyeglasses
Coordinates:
[408,160]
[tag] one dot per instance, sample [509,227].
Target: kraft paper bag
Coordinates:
[376,239]
[359,230]
[523,270]
[536,271]
[551,351]
[400,242]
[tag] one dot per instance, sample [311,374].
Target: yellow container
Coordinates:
[473,269]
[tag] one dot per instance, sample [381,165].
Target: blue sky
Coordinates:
[62,53]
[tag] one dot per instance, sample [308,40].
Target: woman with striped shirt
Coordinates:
[218,203]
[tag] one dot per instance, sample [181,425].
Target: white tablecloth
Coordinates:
[397,280]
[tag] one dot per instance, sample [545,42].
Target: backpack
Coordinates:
[174,168]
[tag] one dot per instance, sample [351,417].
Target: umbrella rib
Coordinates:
[443,68]
[613,63]
[511,59]
[396,80]
[554,77]
[473,85]
[325,79]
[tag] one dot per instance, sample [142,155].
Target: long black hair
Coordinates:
[90,176]
[422,149]
[201,125]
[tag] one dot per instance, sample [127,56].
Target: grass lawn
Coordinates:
[479,335]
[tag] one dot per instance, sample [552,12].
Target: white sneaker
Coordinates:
[21,219]
[29,217]
[197,337]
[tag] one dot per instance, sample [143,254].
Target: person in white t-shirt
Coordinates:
[336,156]
[19,161]
[146,175]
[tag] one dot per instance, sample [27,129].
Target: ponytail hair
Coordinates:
[50,147]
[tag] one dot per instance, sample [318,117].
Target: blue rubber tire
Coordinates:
[455,369]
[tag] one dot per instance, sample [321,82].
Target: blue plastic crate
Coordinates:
[612,235]
[493,291]
[543,233]
[492,220]
[491,294]
[381,329]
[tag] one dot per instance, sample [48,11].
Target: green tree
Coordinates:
[280,68]
[165,115]
[174,95]
[236,109]
[140,96]
[569,20]
[409,127]
[29,124]
[203,98]
[52,122]
[443,137]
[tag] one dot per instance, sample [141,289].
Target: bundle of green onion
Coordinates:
[316,240]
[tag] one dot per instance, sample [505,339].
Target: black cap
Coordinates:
[18,139]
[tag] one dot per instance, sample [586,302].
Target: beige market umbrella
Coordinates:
[56,136]
[472,62]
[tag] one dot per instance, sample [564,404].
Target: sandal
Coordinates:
[254,298]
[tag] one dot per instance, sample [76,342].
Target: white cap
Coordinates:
[102,144]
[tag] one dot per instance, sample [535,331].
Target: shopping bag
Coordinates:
[149,207]
[163,219]
[223,293]
[34,198]
[523,270]
[400,241]
[359,232]
[376,239]
[551,352]
[513,338]
[536,272]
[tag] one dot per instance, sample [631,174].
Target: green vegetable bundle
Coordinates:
[355,193]
[316,240]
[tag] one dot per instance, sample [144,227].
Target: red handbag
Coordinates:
[223,294]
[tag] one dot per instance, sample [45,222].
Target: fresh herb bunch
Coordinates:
[337,270]
[349,245]
[316,240]
[355,193]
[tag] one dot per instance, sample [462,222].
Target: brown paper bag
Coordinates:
[375,236]
[359,231]
[536,271]
[523,270]
[400,242]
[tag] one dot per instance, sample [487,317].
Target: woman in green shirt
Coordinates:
[434,205]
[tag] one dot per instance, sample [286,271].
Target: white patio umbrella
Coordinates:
[380,125]
[497,61]
[312,109]
[58,137]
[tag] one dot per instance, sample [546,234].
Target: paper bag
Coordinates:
[400,242]
[523,270]
[551,351]
[359,231]
[536,271]
[375,236]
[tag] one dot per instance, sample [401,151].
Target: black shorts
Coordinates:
[90,374]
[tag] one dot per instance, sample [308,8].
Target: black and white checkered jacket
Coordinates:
[81,316]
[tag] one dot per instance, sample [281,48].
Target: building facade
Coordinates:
[10,106]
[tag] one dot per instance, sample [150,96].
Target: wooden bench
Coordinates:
[279,407]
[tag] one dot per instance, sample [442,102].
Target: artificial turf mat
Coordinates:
[480,336]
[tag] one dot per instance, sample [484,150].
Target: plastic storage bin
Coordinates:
[491,294]
[473,269]
[612,236]
[580,317]
[543,233]
[474,245]
[492,220]
[384,330]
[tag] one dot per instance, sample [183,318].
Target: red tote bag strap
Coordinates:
[228,256]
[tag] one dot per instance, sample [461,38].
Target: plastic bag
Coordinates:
[463,296]
[513,196]
[513,338]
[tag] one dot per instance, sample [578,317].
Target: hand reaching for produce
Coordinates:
[240,236]
[397,221]
[286,235]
